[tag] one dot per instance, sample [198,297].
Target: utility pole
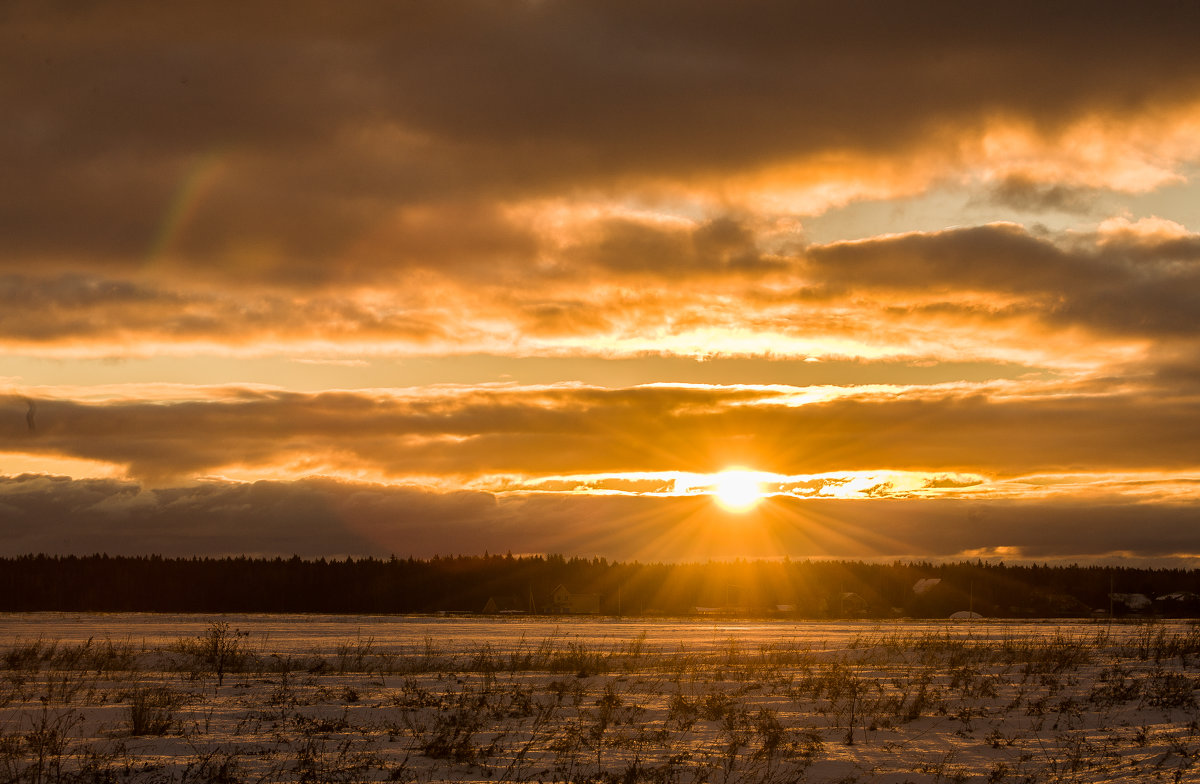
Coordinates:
[1110,598]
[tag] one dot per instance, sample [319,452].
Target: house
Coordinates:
[846,604]
[1178,596]
[1130,603]
[564,602]
[1063,605]
[504,605]
[925,585]
[1178,604]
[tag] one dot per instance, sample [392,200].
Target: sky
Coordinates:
[922,280]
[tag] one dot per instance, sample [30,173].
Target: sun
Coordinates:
[737,490]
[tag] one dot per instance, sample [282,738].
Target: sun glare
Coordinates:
[736,490]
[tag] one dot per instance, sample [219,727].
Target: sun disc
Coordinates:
[737,491]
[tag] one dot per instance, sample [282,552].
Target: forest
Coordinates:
[526,584]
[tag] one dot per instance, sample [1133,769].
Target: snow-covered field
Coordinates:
[369,698]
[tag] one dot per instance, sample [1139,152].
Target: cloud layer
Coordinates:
[319,517]
[145,134]
[467,432]
[990,292]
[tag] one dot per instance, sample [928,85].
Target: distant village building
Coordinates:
[1178,604]
[504,605]
[1131,602]
[925,585]
[1178,596]
[1065,605]
[847,604]
[564,602]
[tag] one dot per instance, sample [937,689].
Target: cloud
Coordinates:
[1025,193]
[246,142]
[607,287]
[463,433]
[722,245]
[320,517]
[953,481]
[1133,284]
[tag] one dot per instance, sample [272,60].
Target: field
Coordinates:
[114,698]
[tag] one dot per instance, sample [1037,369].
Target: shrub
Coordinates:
[151,711]
[220,648]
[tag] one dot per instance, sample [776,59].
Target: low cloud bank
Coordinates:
[320,517]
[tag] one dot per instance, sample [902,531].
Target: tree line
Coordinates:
[809,589]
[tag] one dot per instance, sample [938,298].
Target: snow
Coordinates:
[366,698]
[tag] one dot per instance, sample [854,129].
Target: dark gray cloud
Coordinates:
[305,129]
[321,517]
[1025,193]
[1132,284]
[67,308]
[724,245]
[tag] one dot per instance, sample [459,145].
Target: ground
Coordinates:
[594,702]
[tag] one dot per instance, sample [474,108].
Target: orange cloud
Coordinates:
[465,433]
